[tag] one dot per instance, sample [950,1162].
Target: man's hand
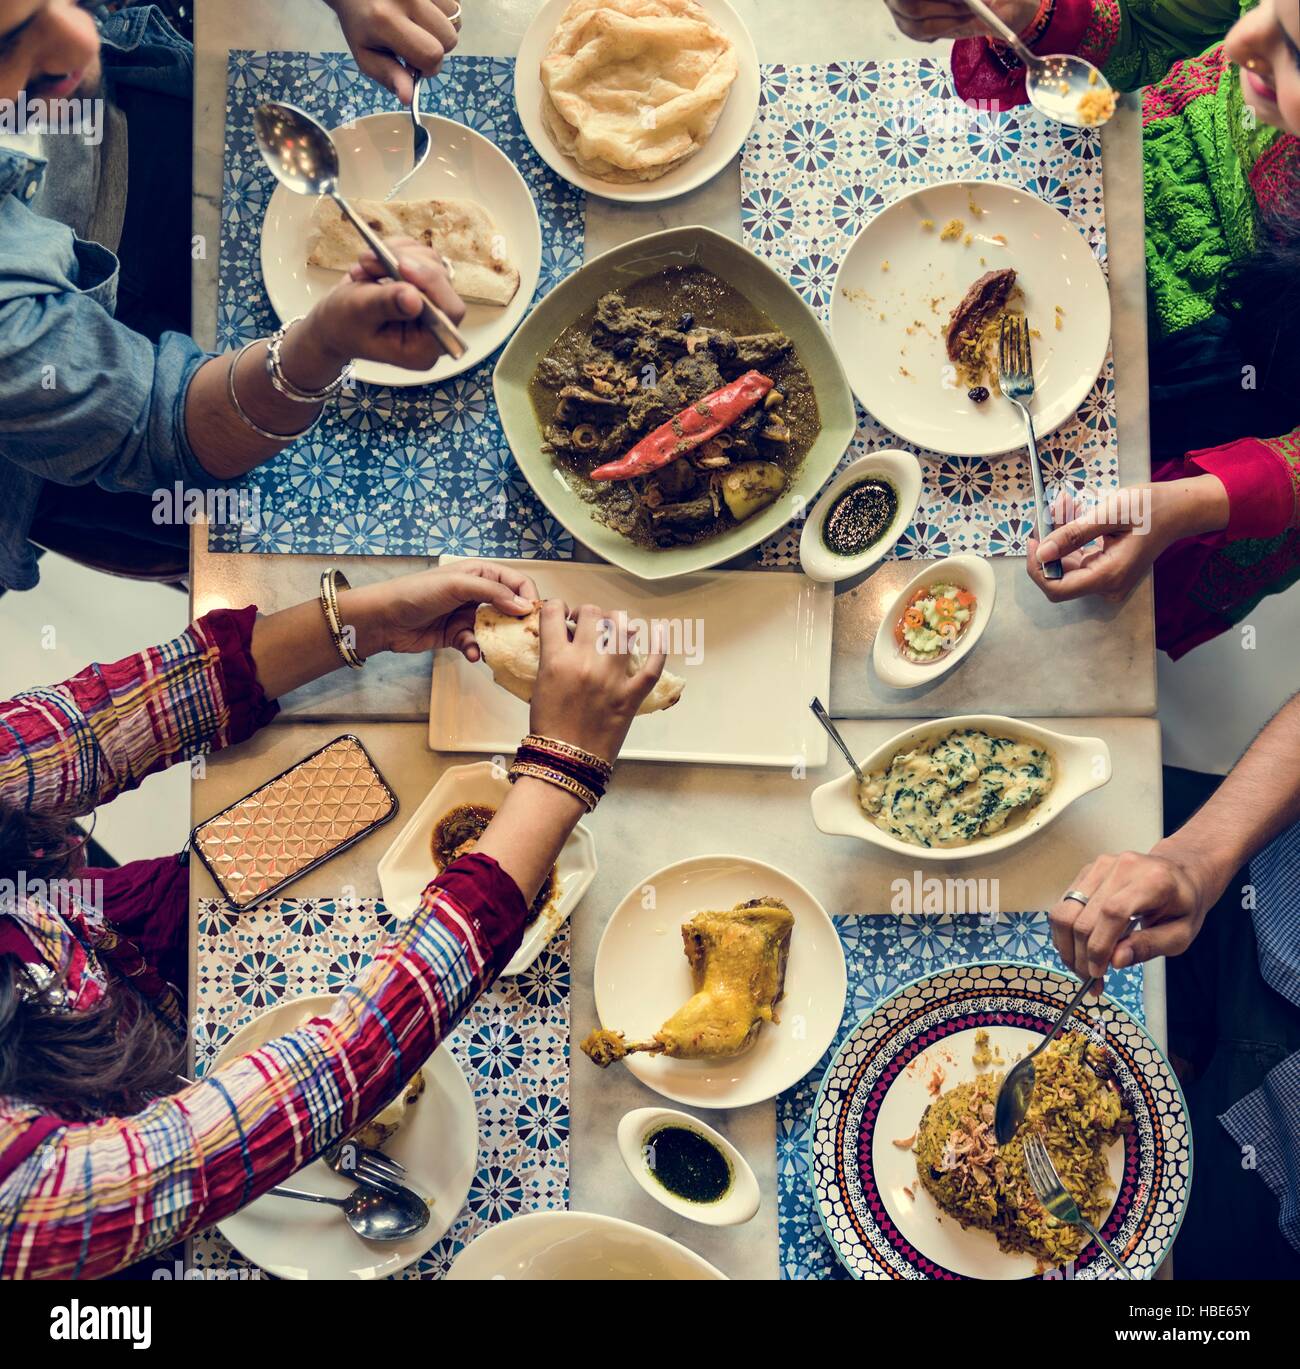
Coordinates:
[929,20]
[1171,890]
[391,39]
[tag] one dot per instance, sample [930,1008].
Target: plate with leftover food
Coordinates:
[431,1128]
[717,628]
[637,100]
[927,282]
[447,824]
[468,202]
[720,981]
[577,1245]
[674,402]
[908,1178]
[860,516]
[934,621]
[959,787]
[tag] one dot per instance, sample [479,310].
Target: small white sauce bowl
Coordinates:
[739,1203]
[903,471]
[970,572]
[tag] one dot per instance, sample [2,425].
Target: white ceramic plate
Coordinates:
[464,165]
[876,1090]
[970,572]
[917,397]
[642,978]
[724,143]
[562,1246]
[900,469]
[407,865]
[438,1144]
[1082,765]
[733,624]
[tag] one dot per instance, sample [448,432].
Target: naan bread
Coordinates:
[464,232]
[632,88]
[512,647]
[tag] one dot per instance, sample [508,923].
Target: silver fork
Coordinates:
[1056,1199]
[420,137]
[367,1166]
[1016,381]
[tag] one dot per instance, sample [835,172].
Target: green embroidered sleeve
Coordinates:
[1137,41]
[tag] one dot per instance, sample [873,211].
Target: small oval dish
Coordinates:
[407,866]
[902,471]
[1082,764]
[736,1206]
[971,573]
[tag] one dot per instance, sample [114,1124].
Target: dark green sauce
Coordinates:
[859,518]
[687,1164]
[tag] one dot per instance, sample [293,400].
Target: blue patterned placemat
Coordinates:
[512,1046]
[882,954]
[831,147]
[398,472]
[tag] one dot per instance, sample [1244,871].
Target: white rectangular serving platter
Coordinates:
[756,647]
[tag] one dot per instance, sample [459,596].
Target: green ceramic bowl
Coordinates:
[616,269]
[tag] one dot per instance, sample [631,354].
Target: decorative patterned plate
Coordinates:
[877,1087]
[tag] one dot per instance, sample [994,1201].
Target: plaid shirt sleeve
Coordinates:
[71,746]
[85,1200]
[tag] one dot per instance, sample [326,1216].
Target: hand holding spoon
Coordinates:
[1055,85]
[303,158]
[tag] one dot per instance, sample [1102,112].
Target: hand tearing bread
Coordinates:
[512,647]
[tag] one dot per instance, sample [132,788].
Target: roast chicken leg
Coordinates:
[737,962]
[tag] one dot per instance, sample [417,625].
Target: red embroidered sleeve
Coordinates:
[1262,478]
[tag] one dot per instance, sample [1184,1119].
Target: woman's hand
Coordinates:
[584,693]
[928,20]
[369,317]
[1135,525]
[1171,890]
[434,608]
[384,34]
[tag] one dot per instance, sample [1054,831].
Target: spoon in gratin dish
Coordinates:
[833,732]
[1066,88]
[1018,1087]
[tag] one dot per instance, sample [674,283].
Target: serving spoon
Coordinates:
[1055,85]
[303,158]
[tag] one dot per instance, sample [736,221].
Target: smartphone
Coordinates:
[293,823]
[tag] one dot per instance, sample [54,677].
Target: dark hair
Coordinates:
[109,1061]
[1260,295]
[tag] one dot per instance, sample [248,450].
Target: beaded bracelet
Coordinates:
[585,774]
[559,748]
[552,776]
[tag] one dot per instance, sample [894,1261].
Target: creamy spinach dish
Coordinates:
[956,789]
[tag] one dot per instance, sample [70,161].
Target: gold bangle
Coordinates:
[575,753]
[555,777]
[330,581]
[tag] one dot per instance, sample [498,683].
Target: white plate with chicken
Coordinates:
[720,982]
[927,280]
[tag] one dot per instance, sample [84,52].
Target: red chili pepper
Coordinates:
[695,425]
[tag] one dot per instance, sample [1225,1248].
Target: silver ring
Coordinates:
[1078,897]
[447,266]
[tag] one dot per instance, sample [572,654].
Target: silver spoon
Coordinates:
[372,1215]
[1017,1089]
[820,713]
[1055,85]
[303,157]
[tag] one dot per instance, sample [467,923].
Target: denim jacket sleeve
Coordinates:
[82,397]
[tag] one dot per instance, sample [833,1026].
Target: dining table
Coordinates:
[1085,667]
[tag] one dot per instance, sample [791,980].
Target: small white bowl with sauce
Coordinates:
[900,470]
[971,573]
[635,1135]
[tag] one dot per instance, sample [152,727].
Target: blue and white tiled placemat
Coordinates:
[882,954]
[831,147]
[513,1047]
[389,471]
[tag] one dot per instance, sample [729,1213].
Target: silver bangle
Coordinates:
[282,438]
[284,385]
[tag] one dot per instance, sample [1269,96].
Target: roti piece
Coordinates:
[632,88]
[464,232]
[512,647]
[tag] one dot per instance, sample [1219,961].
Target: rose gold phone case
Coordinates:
[293,823]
